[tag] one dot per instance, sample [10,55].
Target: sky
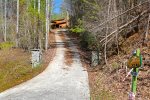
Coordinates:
[57,6]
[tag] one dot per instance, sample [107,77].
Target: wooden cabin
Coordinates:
[61,23]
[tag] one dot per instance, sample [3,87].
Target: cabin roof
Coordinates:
[53,21]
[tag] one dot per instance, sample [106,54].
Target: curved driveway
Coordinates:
[55,83]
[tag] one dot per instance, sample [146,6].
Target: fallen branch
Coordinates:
[124,25]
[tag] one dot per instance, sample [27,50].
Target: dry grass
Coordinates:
[15,66]
[98,87]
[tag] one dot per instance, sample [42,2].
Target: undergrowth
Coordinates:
[6,45]
[15,68]
[112,80]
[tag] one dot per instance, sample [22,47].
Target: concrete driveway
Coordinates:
[55,83]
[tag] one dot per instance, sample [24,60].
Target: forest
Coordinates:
[25,22]
[109,23]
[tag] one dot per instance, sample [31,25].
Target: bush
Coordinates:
[87,40]
[77,29]
[6,45]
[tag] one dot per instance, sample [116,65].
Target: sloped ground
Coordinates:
[106,82]
[55,83]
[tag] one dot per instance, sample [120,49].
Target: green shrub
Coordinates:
[6,45]
[87,40]
[77,29]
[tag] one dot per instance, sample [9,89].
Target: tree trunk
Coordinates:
[116,25]
[39,35]
[39,6]
[51,10]
[5,37]
[147,31]
[105,48]
[17,26]
[1,17]
[47,24]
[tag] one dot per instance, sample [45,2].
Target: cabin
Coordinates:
[61,23]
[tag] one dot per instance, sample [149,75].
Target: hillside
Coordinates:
[107,81]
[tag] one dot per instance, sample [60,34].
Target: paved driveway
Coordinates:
[55,83]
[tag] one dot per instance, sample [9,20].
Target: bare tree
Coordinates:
[47,24]
[1,18]
[39,6]
[28,22]
[51,11]
[17,26]
[5,36]
[105,48]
